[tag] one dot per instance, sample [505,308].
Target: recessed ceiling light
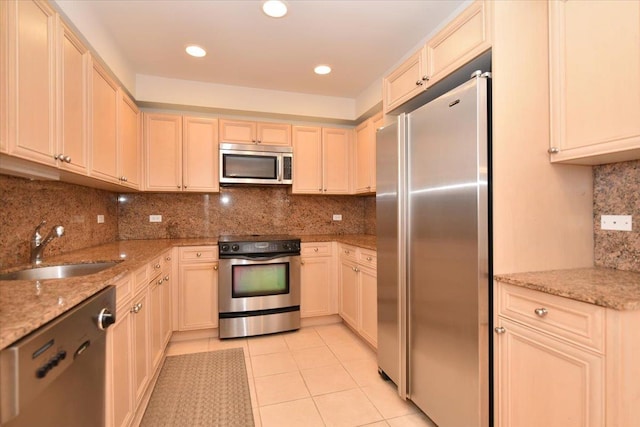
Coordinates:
[274,8]
[196,51]
[322,69]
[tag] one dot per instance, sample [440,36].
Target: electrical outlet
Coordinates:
[337,217]
[100,219]
[155,218]
[616,222]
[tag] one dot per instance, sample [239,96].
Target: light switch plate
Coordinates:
[616,222]
[100,219]
[155,218]
[337,217]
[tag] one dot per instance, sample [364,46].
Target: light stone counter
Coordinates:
[616,289]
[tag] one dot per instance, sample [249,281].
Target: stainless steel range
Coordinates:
[258,285]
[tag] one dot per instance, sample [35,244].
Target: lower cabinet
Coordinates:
[198,288]
[317,280]
[358,291]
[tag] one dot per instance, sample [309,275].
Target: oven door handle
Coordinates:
[260,258]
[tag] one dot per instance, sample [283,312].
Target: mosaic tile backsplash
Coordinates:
[25,203]
[616,191]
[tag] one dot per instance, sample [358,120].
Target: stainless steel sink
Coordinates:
[58,271]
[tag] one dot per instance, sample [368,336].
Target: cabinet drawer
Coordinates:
[140,278]
[576,321]
[199,253]
[124,290]
[348,252]
[316,249]
[367,257]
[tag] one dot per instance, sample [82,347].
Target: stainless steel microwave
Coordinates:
[255,164]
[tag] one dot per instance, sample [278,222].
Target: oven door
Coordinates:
[258,283]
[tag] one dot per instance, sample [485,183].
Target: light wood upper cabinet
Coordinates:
[594,78]
[129,142]
[406,81]
[322,160]
[200,154]
[104,125]
[466,37]
[463,39]
[74,61]
[181,153]
[365,158]
[245,132]
[31,87]
[163,152]
[307,162]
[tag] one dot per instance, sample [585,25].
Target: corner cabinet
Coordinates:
[322,160]
[181,153]
[318,293]
[564,363]
[463,39]
[594,81]
[365,156]
[197,303]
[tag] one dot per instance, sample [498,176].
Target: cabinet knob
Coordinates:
[136,308]
[320,190]
[553,150]
[346,251]
[315,249]
[369,258]
[500,330]
[325,189]
[168,258]
[160,281]
[156,266]
[166,278]
[425,78]
[67,159]
[541,312]
[215,267]
[199,254]
[419,83]
[301,262]
[58,156]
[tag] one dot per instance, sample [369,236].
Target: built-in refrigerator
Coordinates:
[434,263]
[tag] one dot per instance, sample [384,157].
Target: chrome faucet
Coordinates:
[38,243]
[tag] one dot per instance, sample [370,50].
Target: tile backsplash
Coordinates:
[616,191]
[25,203]
[238,210]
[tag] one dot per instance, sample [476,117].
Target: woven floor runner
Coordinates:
[201,389]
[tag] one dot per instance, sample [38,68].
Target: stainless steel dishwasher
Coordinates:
[55,376]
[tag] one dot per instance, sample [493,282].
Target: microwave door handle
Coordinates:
[280,168]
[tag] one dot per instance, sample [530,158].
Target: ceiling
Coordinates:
[360,39]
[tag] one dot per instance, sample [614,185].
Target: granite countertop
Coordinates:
[606,287]
[25,305]
[367,241]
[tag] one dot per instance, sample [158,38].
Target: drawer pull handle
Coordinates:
[346,251]
[168,258]
[166,278]
[369,258]
[215,267]
[315,249]
[136,308]
[541,312]
[500,330]
[199,254]
[301,262]
[156,266]
[160,282]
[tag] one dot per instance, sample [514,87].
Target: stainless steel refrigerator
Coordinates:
[433,229]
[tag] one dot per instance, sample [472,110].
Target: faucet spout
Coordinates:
[38,243]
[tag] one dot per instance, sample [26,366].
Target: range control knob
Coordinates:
[105,319]
[286,246]
[235,247]
[224,248]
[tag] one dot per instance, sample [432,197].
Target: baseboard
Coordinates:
[200,334]
[320,320]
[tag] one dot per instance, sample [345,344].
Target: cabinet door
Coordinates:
[273,133]
[74,65]
[237,132]
[129,142]
[119,362]
[163,152]
[466,37]
[32,80]
[104,126]
[200,155]
[336,147]
[365,157]
[141,351]
[368,305]
[155,316]
[349,293]
[406,81]
[307,161]
[546,382]
[198,296]
[315,286]
[595,89]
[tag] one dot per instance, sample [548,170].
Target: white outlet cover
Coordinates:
[155,218]
[616,222]
[337,217]
[100,219]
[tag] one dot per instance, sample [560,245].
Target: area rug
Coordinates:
[201,389]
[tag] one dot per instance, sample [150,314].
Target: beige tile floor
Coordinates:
[317,376]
